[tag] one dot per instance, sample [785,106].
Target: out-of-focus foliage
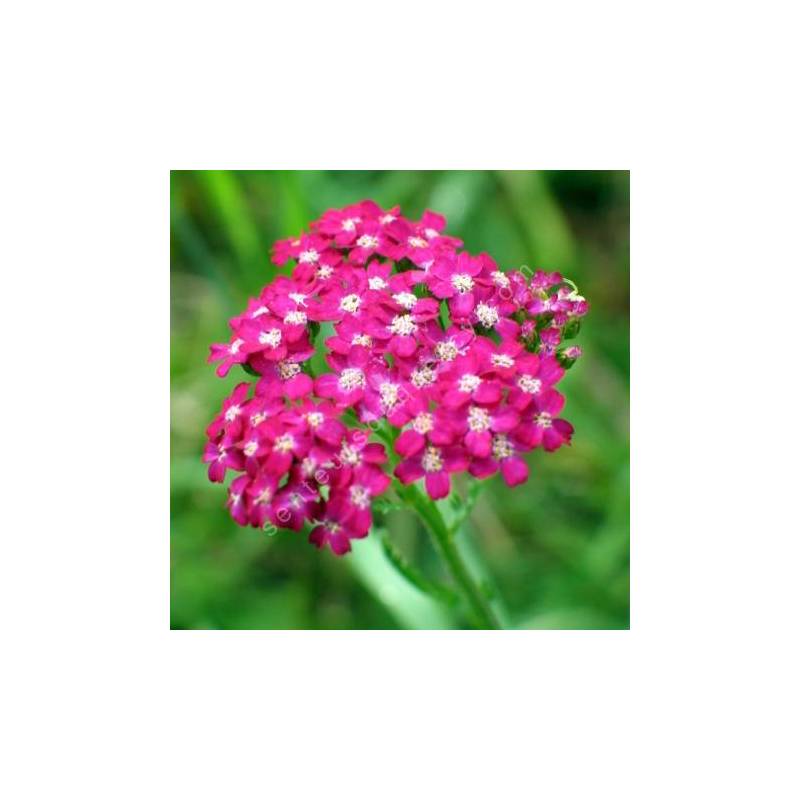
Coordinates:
[556,549]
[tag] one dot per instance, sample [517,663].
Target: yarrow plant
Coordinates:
[438,363]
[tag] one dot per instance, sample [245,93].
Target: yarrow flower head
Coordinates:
[445,357]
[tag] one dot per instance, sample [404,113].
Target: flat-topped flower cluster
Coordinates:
[451,359]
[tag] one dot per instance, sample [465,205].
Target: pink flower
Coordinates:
[491,313]
[318,420]
[533,378]
[386,395]
[342,224]
[310,249]
[237,499]
[402,314]
[352,331]
[548,429]
[316,274]
[347,383]
[355,453]
[294,505]
[421,243]
[284,377]
[337,526]
[455,278]
[434,464]
[221,456]
[368,481]
[502,359]
[425,427]
[344,299]
[278,445]
[504,456]
[285,249]
[446,346]
[266,335]
[230,354]
[288,300]
[232,408]
[256,306]
[475,425]
[260,494]
[372,241]
[378,275]
[469,380]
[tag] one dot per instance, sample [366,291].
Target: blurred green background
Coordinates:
[554,553]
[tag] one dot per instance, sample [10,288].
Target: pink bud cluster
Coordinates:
[458,355]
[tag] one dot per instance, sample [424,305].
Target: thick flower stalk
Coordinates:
[440,354]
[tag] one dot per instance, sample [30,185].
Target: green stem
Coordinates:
[443,538]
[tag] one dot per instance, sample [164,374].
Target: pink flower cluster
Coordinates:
[420,336]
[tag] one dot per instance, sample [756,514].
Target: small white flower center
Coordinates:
[265,496]
[324,271]
[502,360]
[288,369]
[315,418]
[359,496]
[298,298]
[478,419]
[417,241]
[250,448]
[363,339]
[402,325]
[368,242]
[544,420]
[349,224]
[296,318]
[501,447]
[232,413]
[259,311]
[446,351]
[377,283]
[351,378]
[308,466]
[468,383]
[424,376]
[462,282]
[387,218]
[487,315]
[350,303]
[284,443]
[529,384]
[348,455]
[271,337]
[405,299]
[310,256]
[390,393]
[500,279]
[432,459]
[423,422]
